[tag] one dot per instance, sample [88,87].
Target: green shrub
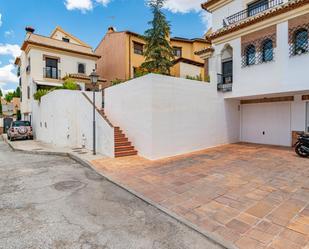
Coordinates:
[70,84]
[117,81]
[197,77]
[139,72]
[40,93]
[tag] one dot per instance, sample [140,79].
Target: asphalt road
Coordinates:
[53,202]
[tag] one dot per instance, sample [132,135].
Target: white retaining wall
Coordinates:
[166,116]
[63,118]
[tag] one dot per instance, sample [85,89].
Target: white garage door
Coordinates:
[267,123]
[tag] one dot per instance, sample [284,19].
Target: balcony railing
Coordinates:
[51,73]
[252,10]
[225,82]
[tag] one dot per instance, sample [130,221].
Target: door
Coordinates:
[307,117]
[266,123]
[227,71]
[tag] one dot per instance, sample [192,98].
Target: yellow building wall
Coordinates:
[135,60]
[189,48]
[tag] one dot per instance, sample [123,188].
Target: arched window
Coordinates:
[81,68]
[301,41]
[250,55]
[267,50]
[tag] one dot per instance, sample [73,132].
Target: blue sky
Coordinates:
[88,20]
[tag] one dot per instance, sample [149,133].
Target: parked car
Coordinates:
[20,130]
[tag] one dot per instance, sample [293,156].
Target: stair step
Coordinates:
[118,132]
[122,139]
[125,153]
[124,148]
[119,136]
[125,143]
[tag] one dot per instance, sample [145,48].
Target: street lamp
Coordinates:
[94,80]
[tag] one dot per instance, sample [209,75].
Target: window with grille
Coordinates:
[301,41]
[250,55]
[267,50]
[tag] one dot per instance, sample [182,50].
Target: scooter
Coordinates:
[302,145]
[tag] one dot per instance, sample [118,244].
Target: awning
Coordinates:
[45,83]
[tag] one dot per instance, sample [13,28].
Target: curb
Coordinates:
[46,153]
[211,236]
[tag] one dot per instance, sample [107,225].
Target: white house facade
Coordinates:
[46,61]
[259,56]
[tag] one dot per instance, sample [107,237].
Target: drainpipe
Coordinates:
[129,56]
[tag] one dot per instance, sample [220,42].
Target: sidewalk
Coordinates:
[81,155]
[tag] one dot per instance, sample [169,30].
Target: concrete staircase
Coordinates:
[123,147]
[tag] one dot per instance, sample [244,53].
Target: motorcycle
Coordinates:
[302,145]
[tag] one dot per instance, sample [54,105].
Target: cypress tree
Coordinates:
[158,52]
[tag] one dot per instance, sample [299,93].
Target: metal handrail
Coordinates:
[253,10]
[51,73]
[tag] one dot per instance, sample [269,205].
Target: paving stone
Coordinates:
[280,243]
[268,227]
[260,236]
[238,226]
[300,225]
[248,219]
[227,234]
[225,215]
[249,243]
[295,237]
[261,209]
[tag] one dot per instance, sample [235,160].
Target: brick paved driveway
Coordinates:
[250,196]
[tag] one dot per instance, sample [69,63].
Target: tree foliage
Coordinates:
[9,96]
[158,52]
[40,93]
[17,92]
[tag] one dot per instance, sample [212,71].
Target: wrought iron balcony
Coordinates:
[252,10]
[51,73]
[225,82]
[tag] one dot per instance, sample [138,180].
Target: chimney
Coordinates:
[29,29]
[111,30]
